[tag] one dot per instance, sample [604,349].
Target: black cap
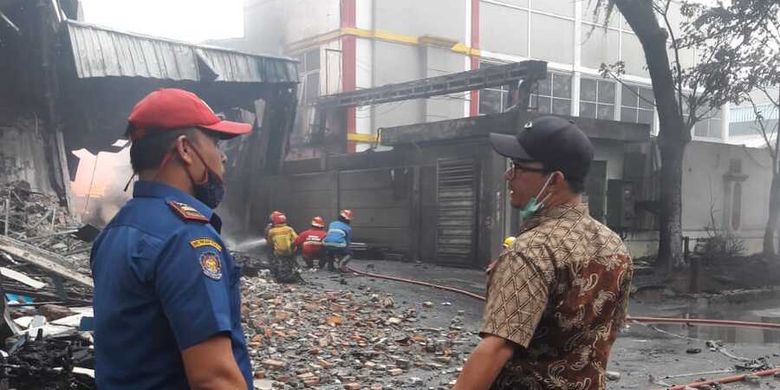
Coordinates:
[555,142]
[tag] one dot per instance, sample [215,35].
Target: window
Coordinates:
[709,124]
[553,94]
[710,127]
[637,104]
[309,68]
[493,100]
[597,99]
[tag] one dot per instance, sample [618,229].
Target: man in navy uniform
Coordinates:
[166,299]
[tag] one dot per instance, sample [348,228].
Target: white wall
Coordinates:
[706,164]
[705,197]
[308,18]
[439,18]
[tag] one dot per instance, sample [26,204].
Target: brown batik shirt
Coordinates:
[560,293]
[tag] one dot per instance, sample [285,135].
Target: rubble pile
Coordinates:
[40,220]
[306,336]
[44,283]
[48,363]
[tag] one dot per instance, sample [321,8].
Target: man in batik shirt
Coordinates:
[557,297]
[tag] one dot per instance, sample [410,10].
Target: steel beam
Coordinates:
[494,76]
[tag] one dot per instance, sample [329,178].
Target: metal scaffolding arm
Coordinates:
[494,76]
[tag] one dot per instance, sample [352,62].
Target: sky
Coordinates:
[185,20]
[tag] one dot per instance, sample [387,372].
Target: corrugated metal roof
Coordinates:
[102,52]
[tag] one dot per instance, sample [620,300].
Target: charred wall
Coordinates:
[394,196]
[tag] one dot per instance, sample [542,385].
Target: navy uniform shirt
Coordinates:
[164,282]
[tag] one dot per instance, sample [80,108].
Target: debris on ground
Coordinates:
[48,363]
[45,283]
[307,336]
[613,375]
[39,219]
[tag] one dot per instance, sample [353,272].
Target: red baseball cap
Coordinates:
[173,108]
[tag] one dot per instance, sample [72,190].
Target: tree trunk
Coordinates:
[673,133]
[774,213]
[670,246]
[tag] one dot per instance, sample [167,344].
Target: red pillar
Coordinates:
[474,101]
[349,63]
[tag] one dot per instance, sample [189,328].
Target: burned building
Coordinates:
[67,85]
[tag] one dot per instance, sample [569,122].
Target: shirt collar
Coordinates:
[150,189]
[568,211]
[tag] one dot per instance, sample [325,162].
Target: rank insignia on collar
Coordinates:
[187,212]
[209,262]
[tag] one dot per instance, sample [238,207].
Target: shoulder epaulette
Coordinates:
[187,212]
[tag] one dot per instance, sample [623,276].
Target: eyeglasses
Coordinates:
[516,166]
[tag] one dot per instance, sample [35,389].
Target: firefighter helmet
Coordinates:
[279,218]
[318,222]
[346,214]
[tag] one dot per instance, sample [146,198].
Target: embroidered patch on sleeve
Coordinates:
[205,241]
[212,267]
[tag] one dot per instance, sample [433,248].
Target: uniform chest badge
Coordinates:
[209,262]
[187,212]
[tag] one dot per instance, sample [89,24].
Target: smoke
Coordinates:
[99,185]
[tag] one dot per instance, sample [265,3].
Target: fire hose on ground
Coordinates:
[643,320]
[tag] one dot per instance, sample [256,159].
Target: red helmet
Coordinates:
[279,219]
[318,222]
[274,214]
[346,214]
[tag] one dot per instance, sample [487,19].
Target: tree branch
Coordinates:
[629,87]
[762,130]
[675,47]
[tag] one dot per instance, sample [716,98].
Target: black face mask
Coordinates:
[211,190]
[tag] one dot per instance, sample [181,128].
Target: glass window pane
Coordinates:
[558,7]
[700,130]
[562,86]
[312,60]
[312,86]
[489,101]
[509,35]
[599,46]
[552,38]
[588,89]
[587,110]
[715,127]
[543,105]
[561,106]
[606,92]
[628,114]
[645,116]
[606,112]
[647,101]
[544,85]
[629,96]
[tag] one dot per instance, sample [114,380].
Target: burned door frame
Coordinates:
[460,253]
